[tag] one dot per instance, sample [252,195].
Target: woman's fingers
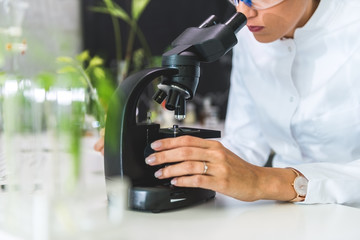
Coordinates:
[99,145]
[184,168]
[183,141]
[179,155]
[184,148]
[195,181]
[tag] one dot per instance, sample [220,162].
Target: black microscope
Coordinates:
[127,143]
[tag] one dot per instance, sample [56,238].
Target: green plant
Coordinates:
[99,81]
[88,75]
[130,57]
[65,120]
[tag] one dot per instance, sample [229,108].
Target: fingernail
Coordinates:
[158,173]
[173,181]
[150,159]
[155,145]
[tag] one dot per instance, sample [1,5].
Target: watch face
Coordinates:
[300,185]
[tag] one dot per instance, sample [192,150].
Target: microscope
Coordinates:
[127,143]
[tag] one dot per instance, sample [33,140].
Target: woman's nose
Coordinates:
[249,12]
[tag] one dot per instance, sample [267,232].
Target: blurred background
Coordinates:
[67,27]
[161,22]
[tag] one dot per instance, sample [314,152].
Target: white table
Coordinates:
[227,218]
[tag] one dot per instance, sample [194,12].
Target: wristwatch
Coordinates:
[300,185]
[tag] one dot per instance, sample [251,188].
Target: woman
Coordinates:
[295,90]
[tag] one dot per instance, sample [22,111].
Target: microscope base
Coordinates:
[161,198]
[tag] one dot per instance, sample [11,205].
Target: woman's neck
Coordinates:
[309,11]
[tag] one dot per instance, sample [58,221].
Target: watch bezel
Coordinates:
[300,186]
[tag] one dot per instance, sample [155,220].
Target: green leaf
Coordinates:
[96,61]
[70,79]
[2,78]
[138,59]
[67,69]
[109,4]
[64,60]
[156,61]
[46,80]
[114,10]
[99,73]
[117,11]
[84,56]
[104,10]
[138,6]
[83,80]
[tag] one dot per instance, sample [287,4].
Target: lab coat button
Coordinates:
[291,99]
[290,49]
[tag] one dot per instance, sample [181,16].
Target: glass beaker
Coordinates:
[2,153]
[12,13]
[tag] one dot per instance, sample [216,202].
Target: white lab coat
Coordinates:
[301,98]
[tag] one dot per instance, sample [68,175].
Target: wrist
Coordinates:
[276,184]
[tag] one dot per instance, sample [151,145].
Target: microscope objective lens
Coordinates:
[180,117]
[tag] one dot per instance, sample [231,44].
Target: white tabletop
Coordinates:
[227,218]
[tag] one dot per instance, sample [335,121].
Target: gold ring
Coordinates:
[205,168]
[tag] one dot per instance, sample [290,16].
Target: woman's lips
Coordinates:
[255,28]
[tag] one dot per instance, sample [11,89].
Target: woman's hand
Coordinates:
[99,145]
[226,172]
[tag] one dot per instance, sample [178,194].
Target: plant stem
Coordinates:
[94,96]
[118,42]
[144,43]
[130,46]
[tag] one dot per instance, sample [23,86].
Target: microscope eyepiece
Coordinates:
[236,22]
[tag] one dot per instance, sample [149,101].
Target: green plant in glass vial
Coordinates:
[62,115]
[90,75]
[98,80]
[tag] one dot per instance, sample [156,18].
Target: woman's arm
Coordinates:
[226,172]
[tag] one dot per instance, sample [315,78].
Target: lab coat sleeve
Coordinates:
[332,182]
[242,132]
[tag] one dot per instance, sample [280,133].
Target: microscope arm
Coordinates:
[121,118]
